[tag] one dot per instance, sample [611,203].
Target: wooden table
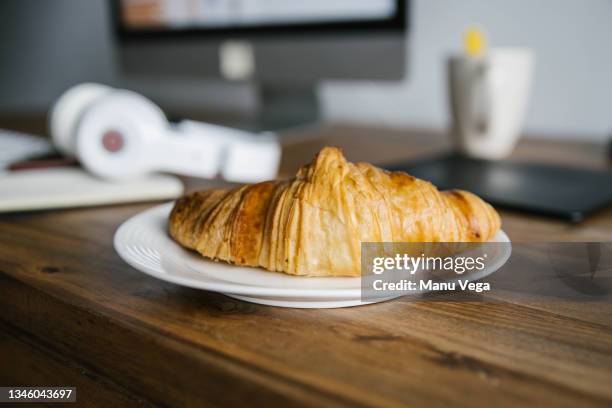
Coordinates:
[74,314]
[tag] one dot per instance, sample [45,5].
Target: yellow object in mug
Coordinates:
[474,42]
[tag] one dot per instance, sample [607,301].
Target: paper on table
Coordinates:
[74,187]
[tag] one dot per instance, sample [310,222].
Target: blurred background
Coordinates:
[48,46]
[509,100]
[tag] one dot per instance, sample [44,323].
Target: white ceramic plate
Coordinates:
[144,243]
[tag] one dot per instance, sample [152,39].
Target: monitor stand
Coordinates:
[279,109]
[286,107]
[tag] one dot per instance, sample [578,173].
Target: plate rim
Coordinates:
[236,288]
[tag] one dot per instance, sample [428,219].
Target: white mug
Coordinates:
[489,99]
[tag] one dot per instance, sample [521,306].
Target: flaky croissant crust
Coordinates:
[314,223]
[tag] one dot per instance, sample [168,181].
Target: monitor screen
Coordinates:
[201,15]
[289,41]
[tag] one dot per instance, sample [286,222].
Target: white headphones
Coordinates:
[120,134]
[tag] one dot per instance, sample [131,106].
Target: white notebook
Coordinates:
[73,187]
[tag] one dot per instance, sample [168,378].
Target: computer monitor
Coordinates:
[283,47]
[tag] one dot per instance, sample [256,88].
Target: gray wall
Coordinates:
[45,46]
[572,93]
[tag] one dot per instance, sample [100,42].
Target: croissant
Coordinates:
[314,223]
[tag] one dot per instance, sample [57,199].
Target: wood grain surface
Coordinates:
[73,313]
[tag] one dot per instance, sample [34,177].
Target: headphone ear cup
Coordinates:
[67,111]
[118,136]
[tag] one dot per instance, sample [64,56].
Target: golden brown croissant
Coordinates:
[314,223]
